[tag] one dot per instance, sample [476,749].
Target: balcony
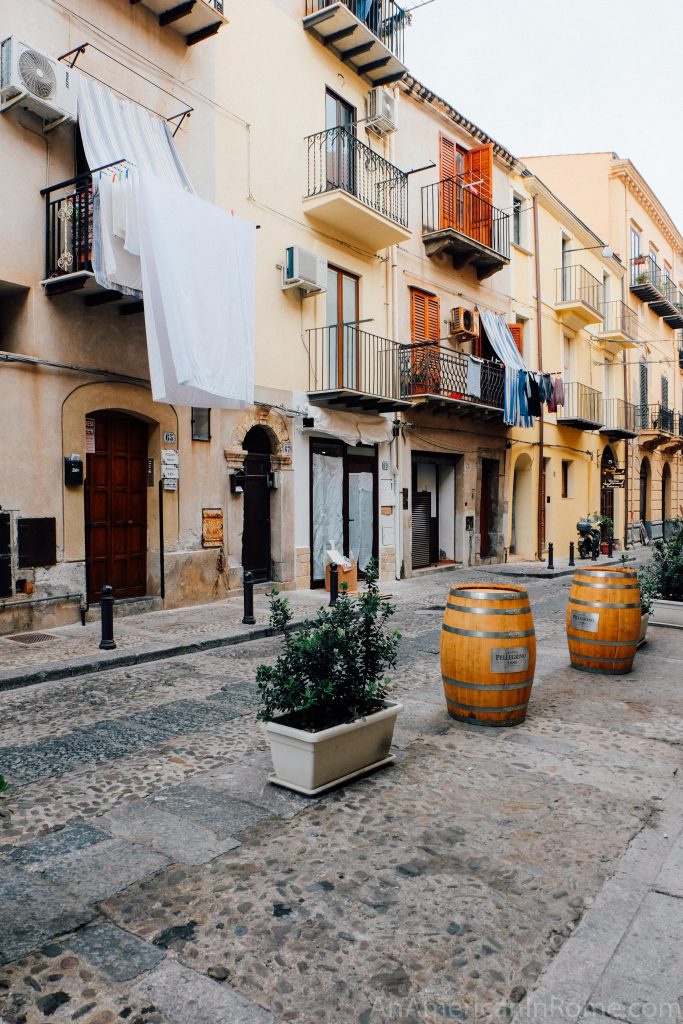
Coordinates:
[468,228]
[367,35]
[68,245]
[194,20]
[582,409]
[620,419]
[577,299]
[656,425]
[437,377]
[352,369]
[355,191]
[652,285]
[619,324]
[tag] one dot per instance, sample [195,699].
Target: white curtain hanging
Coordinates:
[353,428]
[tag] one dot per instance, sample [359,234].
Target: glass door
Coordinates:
[342,330]
[340,120]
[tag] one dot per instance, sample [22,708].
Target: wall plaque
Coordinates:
[212,527]
[587,622]
[509,659]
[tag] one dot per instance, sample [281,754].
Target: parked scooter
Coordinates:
[589,537]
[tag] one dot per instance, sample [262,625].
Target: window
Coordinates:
[635,254]
[517,332]
[665,392]
[343,337]
[201,424]
[566,478]
[517,220]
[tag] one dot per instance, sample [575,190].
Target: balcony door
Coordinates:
[467,189]
[340,121]
[425,325]
[342,330]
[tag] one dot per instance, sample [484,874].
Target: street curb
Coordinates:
[551,574]
[85,666]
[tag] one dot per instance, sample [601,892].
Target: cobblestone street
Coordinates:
[150,873]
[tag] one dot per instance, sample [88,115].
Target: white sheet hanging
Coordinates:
[198,279]
[353,428]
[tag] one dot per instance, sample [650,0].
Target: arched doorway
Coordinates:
[116,506]
[256,553]
[644,507]
[608,464]
[523,520]
[666,494]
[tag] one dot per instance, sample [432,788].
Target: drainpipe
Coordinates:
[394,335]
[626,449]
[539,358]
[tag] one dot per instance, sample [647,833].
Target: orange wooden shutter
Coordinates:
[517,332]
[418,316]
[447,188]
[478,177]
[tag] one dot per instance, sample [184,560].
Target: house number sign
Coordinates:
[169,437]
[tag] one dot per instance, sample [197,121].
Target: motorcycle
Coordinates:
[589,537]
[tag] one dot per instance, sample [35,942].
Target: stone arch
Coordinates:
[666,493]
[645,494]
[275,426]
[522,540]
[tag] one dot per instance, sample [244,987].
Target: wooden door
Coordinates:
[256,555]
[116,507]
[478,188]
[425,324]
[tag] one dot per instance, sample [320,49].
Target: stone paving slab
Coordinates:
[182,716]
[55,844]
[117,953]
[216,810]
[101,870]
[186,997]
[33,911]
[248,780]
[670,878]
[645,981]
[175,837]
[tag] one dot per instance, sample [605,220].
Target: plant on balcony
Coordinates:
[324,701]
[661,579]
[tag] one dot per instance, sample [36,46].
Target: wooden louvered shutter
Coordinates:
[517,332]
[447,188]
[425,325]
[478,178]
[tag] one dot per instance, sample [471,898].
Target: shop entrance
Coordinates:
[343,504]
[116,507]
[433,510]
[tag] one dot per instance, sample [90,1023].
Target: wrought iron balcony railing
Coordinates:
[656,417]
[619,417]
[428,369]
[68,227]
[582,406]
[345,358]
[618,318]
[452,204]
[385,18]
[576,284]
[338,160]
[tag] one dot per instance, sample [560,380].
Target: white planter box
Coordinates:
[667,613]
[644,619]
[311,762]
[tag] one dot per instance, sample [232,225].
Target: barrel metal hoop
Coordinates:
[602,643]
[488,611]
[485,686]
[512,635]
[607,586]
[625,575]
[602,604]
[600,671]
[608,661]
[488,595]
[485,710]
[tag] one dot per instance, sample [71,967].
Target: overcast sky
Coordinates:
[579,76]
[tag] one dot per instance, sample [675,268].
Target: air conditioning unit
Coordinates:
[464,321]
[38,82]
[382,111]
[305,270]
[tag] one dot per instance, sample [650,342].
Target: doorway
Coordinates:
[488,506]
[522,536]
[433,533]
[256,554]
[343,505]
[607,466]
[342,330]
[666,496]
[116,507]
[645,490]
[340,121]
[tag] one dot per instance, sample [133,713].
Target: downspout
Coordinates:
[394,335]
[627,452]
[539,358]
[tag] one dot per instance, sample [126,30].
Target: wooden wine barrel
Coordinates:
[603,619]
[488,653]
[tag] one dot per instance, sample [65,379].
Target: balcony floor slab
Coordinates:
[464,251]
[352,219]
[337,28]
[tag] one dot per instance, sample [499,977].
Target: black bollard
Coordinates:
[248,619]
[610,546]
[551,553]
[572,563]
[107,614]
[334,584]
[596,546]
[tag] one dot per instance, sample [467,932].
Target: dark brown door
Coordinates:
[116,507]
[256,535]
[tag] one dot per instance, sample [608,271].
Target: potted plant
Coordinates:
[606,531]
[661,579]
[324,701]
[4,787]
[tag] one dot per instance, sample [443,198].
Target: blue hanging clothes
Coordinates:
[516,411]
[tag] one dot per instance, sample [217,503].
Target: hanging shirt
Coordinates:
[533,394]
[546,386]
[559,391]
[473,377]
[552,401]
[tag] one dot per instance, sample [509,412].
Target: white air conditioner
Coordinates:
[382,111]
[305,270]
[38,82]
[464,321]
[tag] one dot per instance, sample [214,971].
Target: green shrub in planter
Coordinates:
[4,784]
[662,577]
[331,670]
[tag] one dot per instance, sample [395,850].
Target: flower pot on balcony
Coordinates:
[667,613]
